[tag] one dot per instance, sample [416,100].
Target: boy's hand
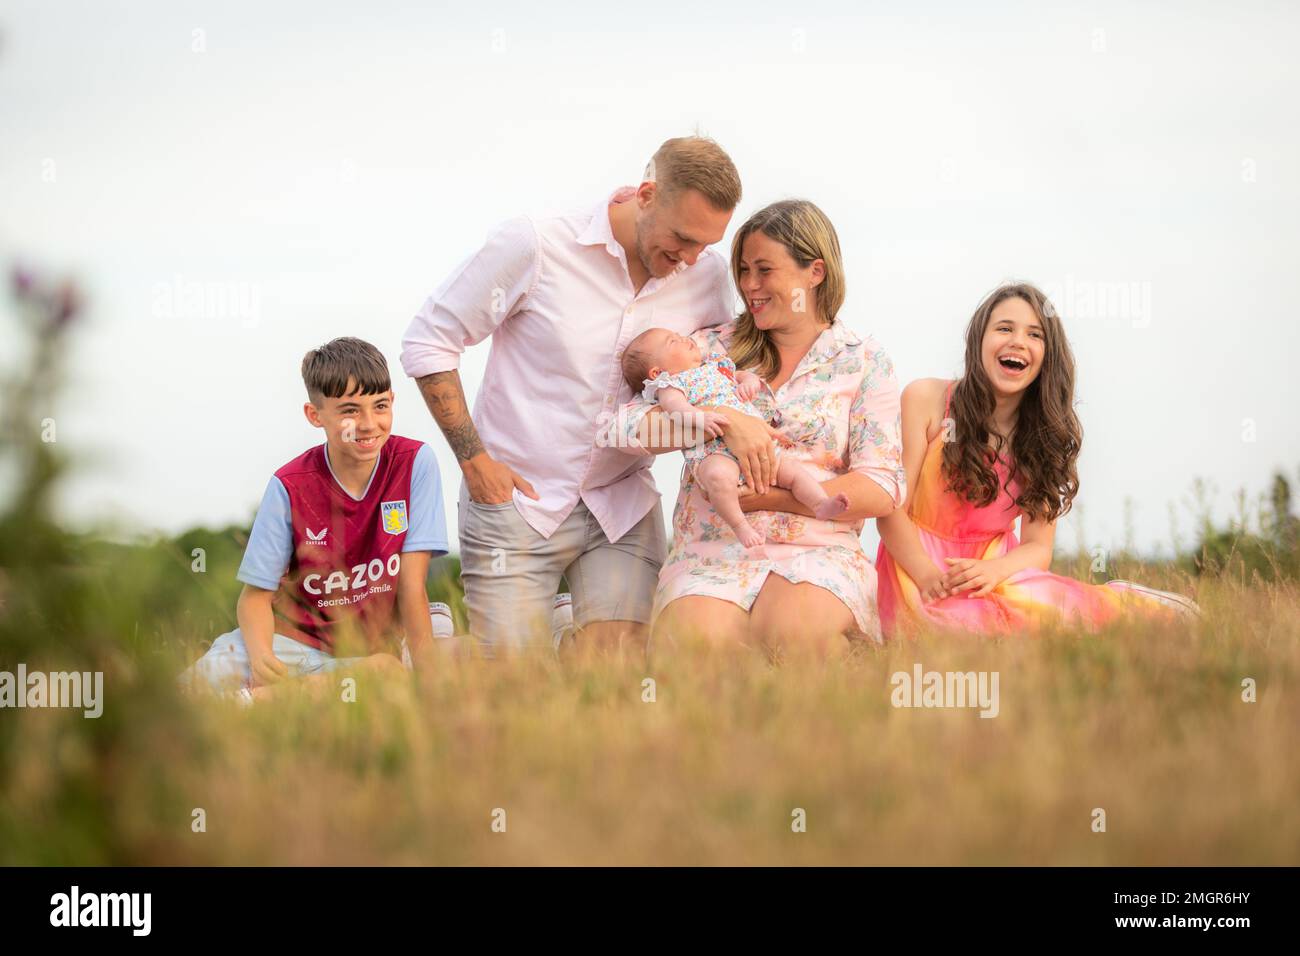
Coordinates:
[972,577]
[491,482]
[267,669]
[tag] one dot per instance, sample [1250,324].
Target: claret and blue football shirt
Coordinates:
[330,556]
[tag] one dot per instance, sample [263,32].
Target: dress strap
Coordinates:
[947,401]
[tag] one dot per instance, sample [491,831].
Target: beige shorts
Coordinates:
[511,573]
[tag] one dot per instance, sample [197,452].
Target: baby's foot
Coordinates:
[749,536]
[832,506]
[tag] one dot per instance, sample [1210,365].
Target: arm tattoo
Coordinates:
[445,397]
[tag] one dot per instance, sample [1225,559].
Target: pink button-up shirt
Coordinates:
[556,297]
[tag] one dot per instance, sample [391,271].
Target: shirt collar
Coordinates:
[600,233]
[369,481]
[828,345]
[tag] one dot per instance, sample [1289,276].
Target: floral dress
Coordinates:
[841,409]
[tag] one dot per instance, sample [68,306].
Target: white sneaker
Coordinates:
[440,617]
[443,627]
[562,619]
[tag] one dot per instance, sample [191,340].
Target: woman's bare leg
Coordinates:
[800,620]
[701,621]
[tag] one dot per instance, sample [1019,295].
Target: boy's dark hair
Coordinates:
[326,370]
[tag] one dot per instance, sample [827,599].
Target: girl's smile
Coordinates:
[1013,346]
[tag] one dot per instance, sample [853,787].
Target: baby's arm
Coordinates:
[673,400]
[747,385]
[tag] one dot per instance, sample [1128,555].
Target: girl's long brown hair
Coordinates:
[1047,436]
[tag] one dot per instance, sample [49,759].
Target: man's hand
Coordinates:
[491,482]
[752,441]
[266,668]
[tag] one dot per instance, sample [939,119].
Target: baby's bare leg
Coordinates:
[718,474]
[808,490]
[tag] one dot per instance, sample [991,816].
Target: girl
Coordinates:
[999,443]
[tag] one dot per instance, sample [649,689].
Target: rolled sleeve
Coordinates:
[876,427]
[620,432]
[476,298]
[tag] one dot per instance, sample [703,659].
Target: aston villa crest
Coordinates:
[393,516]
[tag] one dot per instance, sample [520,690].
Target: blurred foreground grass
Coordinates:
[1144,722]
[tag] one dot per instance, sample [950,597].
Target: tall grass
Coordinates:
[1144,722]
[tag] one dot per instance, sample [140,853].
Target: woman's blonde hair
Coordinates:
[807,235]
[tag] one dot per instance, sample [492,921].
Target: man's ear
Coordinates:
[646,193]
[312,414]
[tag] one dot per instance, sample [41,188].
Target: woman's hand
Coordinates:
[752,441]
[973,577]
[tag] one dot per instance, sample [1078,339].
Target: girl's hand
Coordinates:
[931,585]
[972,577]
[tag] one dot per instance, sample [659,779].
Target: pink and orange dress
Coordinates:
[952,527]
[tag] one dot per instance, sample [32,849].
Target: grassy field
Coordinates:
[734,760]
[1147,724]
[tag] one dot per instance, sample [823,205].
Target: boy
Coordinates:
[340,548]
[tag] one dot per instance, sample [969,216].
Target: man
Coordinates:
[561,298]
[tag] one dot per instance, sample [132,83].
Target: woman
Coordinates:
[835,396]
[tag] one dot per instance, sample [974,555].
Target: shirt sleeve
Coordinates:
[876,426]
[476,298]
[710,341]
[270,543]
[664,380]
[427,530]
[619,430]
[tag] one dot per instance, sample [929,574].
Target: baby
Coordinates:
[669,369]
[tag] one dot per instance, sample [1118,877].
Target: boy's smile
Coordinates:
[356,426]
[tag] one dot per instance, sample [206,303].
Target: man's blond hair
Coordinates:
[695,162]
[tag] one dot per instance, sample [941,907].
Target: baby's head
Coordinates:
[655,351]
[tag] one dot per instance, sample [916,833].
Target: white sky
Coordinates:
[334,161]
